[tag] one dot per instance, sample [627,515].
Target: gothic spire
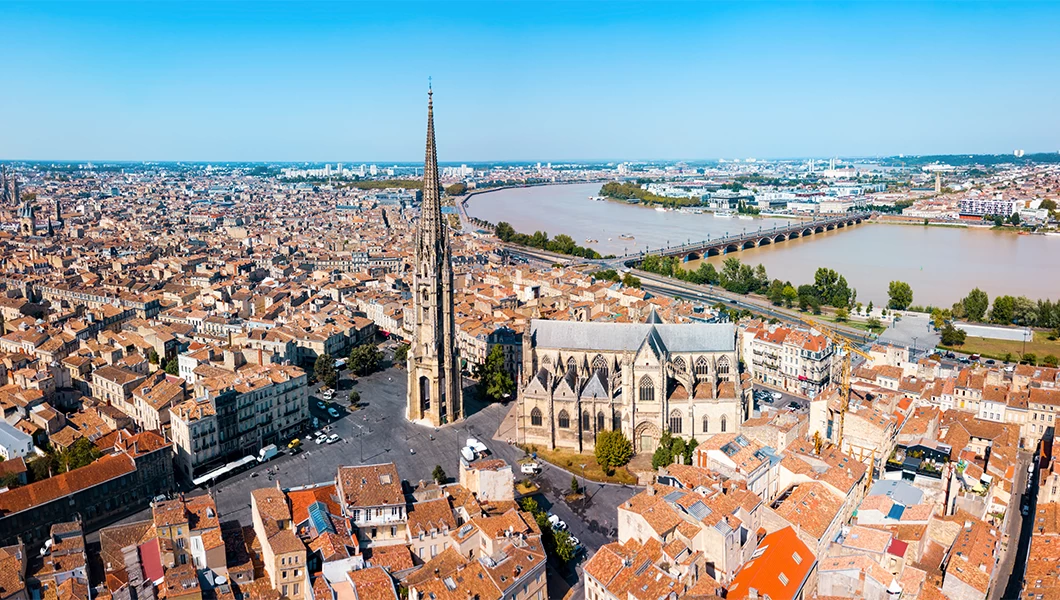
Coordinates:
[431,208]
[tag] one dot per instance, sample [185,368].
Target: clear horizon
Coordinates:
[514,82]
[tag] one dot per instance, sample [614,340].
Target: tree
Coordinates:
[868,309]
[401,354]
[456,189]
[493,379]
[324,370]
[172,367]
[10,481]
[613,449]
[975,305]
[529,505]
[1050,360]
[874,323]
[629,280]
[1014,219]
[1030,358]
[1004,310]
[661,457]
[365,359]
[152,356]
[354,397]
[690,450]
[565,549]
[574,487]
[790,295]
[41,468]
[776,292]
[900,295]
[677,450]
[504,231]
[438,474]
[841,315]
[939,317]
[951,336]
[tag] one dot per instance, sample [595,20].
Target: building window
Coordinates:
[564,420]
[679,364]
[616,422]
[586,422]
[600,365]
[647,389]
[724,423]
[535,418]
[676,422]
[600,421]
[572,365]
[723,365]
[706,424]
[702,367]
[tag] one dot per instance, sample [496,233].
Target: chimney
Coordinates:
[651,490]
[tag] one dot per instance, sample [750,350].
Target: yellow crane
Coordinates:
[849,348]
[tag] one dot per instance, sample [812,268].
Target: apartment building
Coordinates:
[795,360]
[374,501]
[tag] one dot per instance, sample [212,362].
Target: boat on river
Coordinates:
[724,214]
[626,236]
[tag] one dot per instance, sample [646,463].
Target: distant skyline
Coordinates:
[596,81]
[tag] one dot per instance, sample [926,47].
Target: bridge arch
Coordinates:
[731,248]
[819,229]
[713,251]
[829,227]
[748,244]
[692,256]
[780,238]
[765,241]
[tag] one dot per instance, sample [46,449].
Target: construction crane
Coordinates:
[849,348]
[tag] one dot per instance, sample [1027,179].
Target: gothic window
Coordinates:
[706,424]
[702,367]
[647,389]
[600,365]
[616,422]
[723,365]
[600,421]
[425,394]
[572,365]
[546,361]
[724,423]
[535,418]
[676,422]
[564,420]
[587,423]
[679,364]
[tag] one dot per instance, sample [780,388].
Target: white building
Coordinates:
[13,442]
[988,206]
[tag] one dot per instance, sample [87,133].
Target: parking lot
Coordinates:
[765,399]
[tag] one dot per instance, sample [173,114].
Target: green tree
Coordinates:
[662,457]
[1050,360]
[565,548]
[900,295]
[790,295]
[1030,358]
[152,356]
[365,359]
[873,323]
[354,397]
[504,231]
[401,354]
[690,450]
[79,454]
[41,468]
[1004,310]
[775,293]
[708,274]
[868,309]
[438,474]
[494,380]
[574,487]
[630,281]
[456,189]
[173,366]
[529,505]
[10,481]
[612,450]
[975,305]
[324,370]
[952,336]
[841,315]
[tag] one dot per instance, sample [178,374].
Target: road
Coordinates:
[1008,583]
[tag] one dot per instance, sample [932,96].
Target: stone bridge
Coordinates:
[749,239]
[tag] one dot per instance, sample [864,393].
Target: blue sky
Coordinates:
[525,81]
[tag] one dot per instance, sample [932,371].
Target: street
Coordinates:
[1008,583]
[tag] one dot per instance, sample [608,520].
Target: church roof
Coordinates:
[686,337]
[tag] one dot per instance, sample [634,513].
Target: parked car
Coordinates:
[777,395]
[556,522]
[334,413]
[294,443]
[530,468]
[321,405]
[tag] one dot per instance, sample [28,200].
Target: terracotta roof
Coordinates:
[106,468]
[777,569]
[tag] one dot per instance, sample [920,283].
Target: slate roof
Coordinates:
[688,337]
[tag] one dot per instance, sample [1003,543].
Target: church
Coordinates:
[582,378]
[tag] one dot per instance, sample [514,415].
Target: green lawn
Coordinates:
[1041,347]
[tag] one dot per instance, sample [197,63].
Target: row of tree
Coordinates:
[633,191]
[628,280]
[1007,310]
[673,449]
[363,360]
[561,244]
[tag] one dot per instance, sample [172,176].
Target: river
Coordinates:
[940,263]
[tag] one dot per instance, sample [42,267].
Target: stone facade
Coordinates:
[640,378]
[435,383]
